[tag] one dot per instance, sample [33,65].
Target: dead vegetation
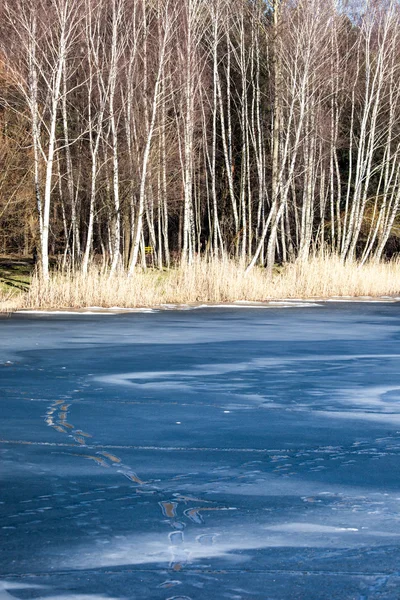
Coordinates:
[212,281]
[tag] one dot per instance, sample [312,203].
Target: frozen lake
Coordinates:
[220,453]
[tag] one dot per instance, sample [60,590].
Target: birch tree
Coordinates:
[45,33]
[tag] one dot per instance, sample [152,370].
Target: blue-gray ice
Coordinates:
[212,454]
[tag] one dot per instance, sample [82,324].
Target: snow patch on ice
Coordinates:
[309,528]
[192,379]
[295,304]
[8,585]
[388,419]
[149,549]
[64,312]
[265,305]
[134,310]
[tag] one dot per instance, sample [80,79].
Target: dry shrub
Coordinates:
[328,276]
[9,301]
[212,281]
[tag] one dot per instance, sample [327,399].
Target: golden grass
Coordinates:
[212,281]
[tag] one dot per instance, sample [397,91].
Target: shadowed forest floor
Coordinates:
[15,274]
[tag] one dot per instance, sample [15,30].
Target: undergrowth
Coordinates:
[208,281]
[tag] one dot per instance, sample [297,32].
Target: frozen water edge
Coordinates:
[65,312]
[114,310]
[246,304]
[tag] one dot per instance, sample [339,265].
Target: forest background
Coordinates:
[149,133]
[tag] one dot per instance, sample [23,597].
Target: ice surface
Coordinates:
[202,455]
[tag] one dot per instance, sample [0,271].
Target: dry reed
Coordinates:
[213,281]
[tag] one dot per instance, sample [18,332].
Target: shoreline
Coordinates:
[209,283]
[238,304]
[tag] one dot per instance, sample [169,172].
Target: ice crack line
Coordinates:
[58,418]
